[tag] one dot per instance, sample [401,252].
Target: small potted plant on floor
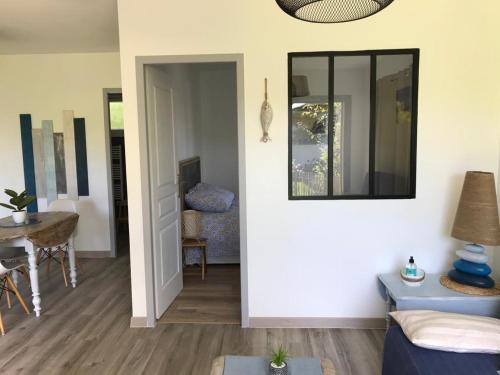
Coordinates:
[278,365]
[18,203]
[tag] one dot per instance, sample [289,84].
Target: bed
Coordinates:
[221,229]
[401,357]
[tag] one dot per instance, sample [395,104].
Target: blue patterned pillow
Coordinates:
[209,198]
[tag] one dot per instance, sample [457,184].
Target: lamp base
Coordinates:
[472,269]
[466,289]
[471,280]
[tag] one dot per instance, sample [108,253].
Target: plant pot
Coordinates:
[275,370]
[19,217]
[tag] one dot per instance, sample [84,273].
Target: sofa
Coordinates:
[401,357]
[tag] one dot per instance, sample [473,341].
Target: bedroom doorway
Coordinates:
[118,170]
[211,260]
[193,112]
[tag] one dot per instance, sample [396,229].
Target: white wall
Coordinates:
[458,130]
[496,256]
[356,84]
[205,119]
[216,116]
[187,132]
[44,86]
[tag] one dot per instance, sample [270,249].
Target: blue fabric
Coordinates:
[28,159]
[401,357]
[82,175]
[237,365]
[222,231]
[209,198]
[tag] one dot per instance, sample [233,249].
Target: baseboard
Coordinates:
[138,322]
[358,323]
[93,254]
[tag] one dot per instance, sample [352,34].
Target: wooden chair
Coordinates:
[7,285]
[192,243]
[59,252]
[55,246]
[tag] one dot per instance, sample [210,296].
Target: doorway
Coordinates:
[117,170]
[173,136]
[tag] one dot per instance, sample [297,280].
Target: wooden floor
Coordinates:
[86,331]
[215,300]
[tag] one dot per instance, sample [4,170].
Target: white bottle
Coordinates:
[411,268]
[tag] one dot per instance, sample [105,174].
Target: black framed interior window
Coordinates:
[352,124]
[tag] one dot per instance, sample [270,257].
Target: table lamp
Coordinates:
[476,222]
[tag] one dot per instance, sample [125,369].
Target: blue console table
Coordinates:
[433,296]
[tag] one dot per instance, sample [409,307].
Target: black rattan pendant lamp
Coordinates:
[332,11]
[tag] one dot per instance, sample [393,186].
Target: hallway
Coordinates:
[86,331]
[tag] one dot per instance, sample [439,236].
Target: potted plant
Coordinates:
[18,203]
[278,365]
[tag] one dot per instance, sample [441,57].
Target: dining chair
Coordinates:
[56,248]
[17,255]
[7,285]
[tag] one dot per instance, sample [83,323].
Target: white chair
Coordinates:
[63,205]
[7,285]
[17,255]
[60,250]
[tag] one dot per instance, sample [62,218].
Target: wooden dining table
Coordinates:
[47,223]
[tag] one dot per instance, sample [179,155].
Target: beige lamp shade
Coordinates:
[300,86]
[477,214]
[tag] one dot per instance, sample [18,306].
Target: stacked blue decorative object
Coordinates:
[471,269]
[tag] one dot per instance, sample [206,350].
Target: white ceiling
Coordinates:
[57,26]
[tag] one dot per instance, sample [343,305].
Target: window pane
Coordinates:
[116,115]
[310,126]
[393,125]
[351,137]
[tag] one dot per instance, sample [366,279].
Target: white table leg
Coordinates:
[72,265]
[30,249]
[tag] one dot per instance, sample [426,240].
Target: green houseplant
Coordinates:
[18,203]
[278,365]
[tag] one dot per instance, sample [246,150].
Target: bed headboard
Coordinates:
[189,176]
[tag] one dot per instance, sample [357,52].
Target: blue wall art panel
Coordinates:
[28,159]
[82,174]
[60,164]
[55,163]
[49,160]
[39,163]
[70,154]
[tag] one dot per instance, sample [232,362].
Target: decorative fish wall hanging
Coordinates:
[266,116]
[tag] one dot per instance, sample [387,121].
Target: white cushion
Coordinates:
[450,332]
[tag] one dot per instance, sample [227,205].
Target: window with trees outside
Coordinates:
[352,124]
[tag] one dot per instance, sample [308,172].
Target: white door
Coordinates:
[164,190]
